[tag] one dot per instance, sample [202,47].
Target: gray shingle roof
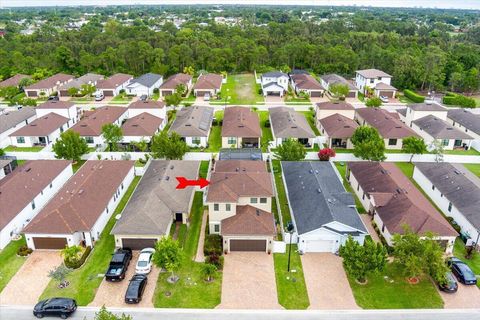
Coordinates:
[193,121]
[148,79]
[335,78]
[440,129]
[328,201]
[465,118]
[274,74]
[287,123]
[373,73]
[10,119]
[240,154]
[426,107]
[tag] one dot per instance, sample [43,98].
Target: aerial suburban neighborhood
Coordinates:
[223,158]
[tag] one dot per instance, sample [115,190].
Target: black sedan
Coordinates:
[450,285]
[462,271]
[60,307]
[135,289]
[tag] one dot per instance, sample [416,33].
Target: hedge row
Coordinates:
[415,97]
[78,263]
[453,99]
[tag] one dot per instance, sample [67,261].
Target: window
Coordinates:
[20,139]
[228,207]
[215,207]
[51,185]
[383,228]
[372,80]
[216,228]
[196,140]
[363,196]
[445,142]
[89,139]
[263,200]
[253,200]
[392,142]
[232,140]
[33,205]
[433,187]
[61,129]
[450,207]
[107,209]
[122,185]
[358,187]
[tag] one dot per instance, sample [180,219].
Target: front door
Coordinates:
[42,140]
[179,217]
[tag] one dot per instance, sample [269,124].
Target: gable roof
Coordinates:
[209,81]
[440,129]
[287,123]
[384,86]
[194,121]
[458,185]
[54,104]
[228,184]
[333,78]
[13,81]
[148,104]
[147,79]
[42,126]
[274,74]
[151,207]
[338,126]
[19,188]
[173,81]
[402,111]
[241,122]
[465,118]
[10,119]
[89,78]
[405,204]
[328,201]
[388,125]
[114,81]
[80,202]
[373,73]
[335,105]
[306,82]
[250,221]
[426,107]
[50,82]
[143,124]
[91,124]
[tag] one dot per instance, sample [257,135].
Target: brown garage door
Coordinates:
[31,93]
[108,93]
[248,245]
[167,92]
[315,94]
[351,94]
[388,94]
[63,93]
[138,244]
[49,243]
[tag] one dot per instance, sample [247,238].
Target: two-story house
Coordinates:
[274,83]
[377,80]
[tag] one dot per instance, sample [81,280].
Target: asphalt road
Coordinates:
[25,313]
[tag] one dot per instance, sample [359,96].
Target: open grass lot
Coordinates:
[242,89]
[191,291]
[282,196]
[10,262]
[473,167]
[474,263]
[23,149]
[291,288]
[310,116]
[342,167]
[266,132]
[390,290]
[85,280]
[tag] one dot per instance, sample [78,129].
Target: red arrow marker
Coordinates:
[183,183]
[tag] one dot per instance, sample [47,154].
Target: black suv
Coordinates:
[135,288]
[463,272]
[118,265]
[60,307]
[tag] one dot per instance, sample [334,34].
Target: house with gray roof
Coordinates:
[455,190]
[87,79]
[156,204]
[11,121]
[193,124]
[329,217]
[416,111]
[465,121]
[274,83]
[144,85]
[286,124]
[331,79]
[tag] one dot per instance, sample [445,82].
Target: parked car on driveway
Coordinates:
[144,262]
[143,97]
[60,307]
[450,286]
[206,97]
[118,265]
[99,96]
[462,271]
[53,98]
[135,289]
[384,99]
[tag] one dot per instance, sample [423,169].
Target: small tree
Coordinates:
[112,134]
[59,273]
[208,271]
[414,146]
[290,150]
[70,254]
[104,314]
[170,147]
[189,70]
[339,90]
[168,255]
[181,89]
[326,153]
[437,149]
[368,144]
[373,102]
[87,89]
[173,99]
[72,92]
[70,146]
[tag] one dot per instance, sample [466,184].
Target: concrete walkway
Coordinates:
[367,220]
[200,257]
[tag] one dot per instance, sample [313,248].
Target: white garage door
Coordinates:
[319,245]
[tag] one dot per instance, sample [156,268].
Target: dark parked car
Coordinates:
[53,98]
[463,272]
[143,97]
[60,307]
[450,286]
[118,265]
[135,288]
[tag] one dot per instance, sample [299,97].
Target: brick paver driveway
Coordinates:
[28,283]
[249,281]
[465,297]
[327,283]
[112,294]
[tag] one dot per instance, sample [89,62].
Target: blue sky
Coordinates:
[461,4]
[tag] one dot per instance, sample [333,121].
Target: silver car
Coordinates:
[144,262]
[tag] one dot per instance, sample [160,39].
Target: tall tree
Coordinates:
[339,90]
[414,145]
[112,134]
[168,255]
[373,102]
[368,145]
[70,146]
[170,147]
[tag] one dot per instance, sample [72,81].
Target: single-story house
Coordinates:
[48,86]
[465,121]
[387,194]
[304,82]
[241,128]
[455,190]
[156,204]
[375,79]
[389,126]
[142,127]
[419,110]
[155,108]
[41,132]
[171,84]
[326,109]
[87,79]
[80,210]
[63,108]
[112,86]
[286,124]
[209,83]
[144,85]
[11,121]
[338,130]
[13,81]
[323,212]
[90,126]
[193,124]
[274,83]
[25,191]
[432,129]
[239,199]
[330,79]
[7,165]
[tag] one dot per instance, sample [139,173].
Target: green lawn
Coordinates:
[215,138]
[190,98]
[390,290]
[296,99]
[282,196]
[85,280]
[191,291]
[240,89]
[77,165]
[473,167]
[23,149]
[310,116]
[10,262]
[342,169]
[155,96]
[460,252]
[291,288]
[478,102]
[469,152]
[266,132]
[121,98]
[404,99]
[204,169]
[172,114]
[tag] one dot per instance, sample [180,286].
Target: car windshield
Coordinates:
[467,273]
[142,263]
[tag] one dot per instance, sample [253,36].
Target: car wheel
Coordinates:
[63,316]
[38,315]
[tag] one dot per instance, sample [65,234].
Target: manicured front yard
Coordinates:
[310,116]
[291,288]
[473,167]
[282,196]
[342,169]
[10,262]
[460,252]
[23,149]
[240,89]
[266,132]
[121,98]
[85,280]
[390,290]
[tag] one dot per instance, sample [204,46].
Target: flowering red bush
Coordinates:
[325,154]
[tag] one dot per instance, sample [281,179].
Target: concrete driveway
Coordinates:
[327,283]
[466,297]
[249,282]
[31,279]
[112,294]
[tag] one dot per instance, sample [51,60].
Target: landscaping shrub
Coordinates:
[325,154]
[415,97]
[454,224]
[24,251]
[453,99]
[213,245]
[216,260]
[156,90]
[267,123]
[75,264]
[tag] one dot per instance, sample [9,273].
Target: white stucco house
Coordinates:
[11,121]
[65,109]
[377,80]
[144,85]
[274,83]
[41,132]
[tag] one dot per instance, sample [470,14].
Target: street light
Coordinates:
[290,229]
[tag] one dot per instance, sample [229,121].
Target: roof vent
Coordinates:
[457,172]
[171,167]
[167,178]
[81,191]
[319,190]
[237,169]
[311,170]
[257,212]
